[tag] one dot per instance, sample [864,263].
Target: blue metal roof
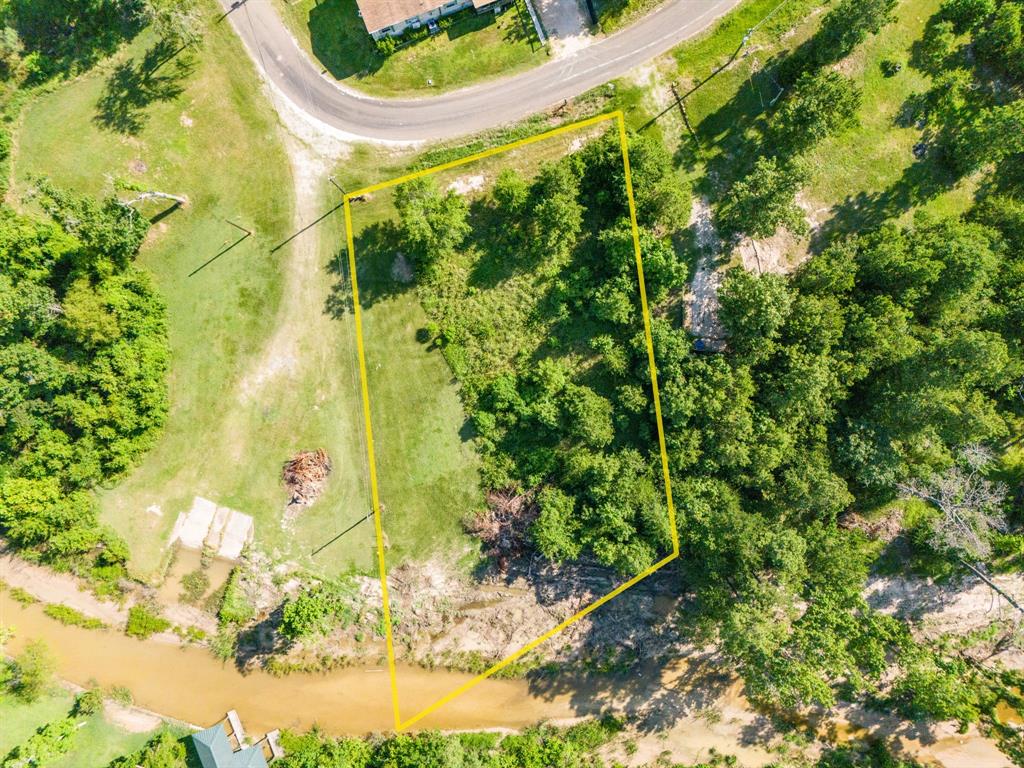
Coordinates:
[214,751]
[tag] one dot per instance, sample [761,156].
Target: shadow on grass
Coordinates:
[340,41]
[377,251]
[134,85]
[922,181]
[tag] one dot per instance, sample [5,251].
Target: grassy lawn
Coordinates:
[234,420]
[476,47]
[613,15]
[870,173]
[96,743]
[859,177]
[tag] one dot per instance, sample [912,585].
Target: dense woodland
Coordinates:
[534,301]
[890,366]
[83,349]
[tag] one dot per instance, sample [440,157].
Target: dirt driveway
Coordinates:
[566,23]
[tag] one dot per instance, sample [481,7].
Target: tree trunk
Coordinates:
[180,200]
[981,575]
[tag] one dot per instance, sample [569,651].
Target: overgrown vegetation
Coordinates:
[557,380]
[540,747]
[879,370]
[83,350]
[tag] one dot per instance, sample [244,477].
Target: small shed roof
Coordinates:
[214,751]
[378,14]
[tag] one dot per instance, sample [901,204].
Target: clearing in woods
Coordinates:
[425,479]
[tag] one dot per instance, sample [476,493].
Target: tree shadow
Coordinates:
[261,642]
[383,271]
[71,37]
[133,86]
[340,41]
[919,183]
[496,239]
[655,686]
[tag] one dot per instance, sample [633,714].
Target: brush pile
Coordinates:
[504,527]
[305,475]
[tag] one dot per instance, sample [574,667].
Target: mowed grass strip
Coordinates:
[476,47]
[96,743]
[239,407]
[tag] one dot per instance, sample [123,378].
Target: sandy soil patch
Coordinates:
[131,719]
[961,607]
[702,297]
[51,587]
[779,254]
[466,184]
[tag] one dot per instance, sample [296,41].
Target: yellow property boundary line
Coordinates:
[374,494]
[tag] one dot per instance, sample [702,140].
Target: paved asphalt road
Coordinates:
[471,109]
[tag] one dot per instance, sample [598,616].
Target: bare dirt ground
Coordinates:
[702,297]
[566,23]
[131,719]
[50,587]
[301,296]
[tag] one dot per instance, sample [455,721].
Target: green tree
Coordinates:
[847,25]
[45,745]
[820,104]
[511,193]
[33,671]
[763,200]
[179,21]
[433,225]
[991,136]
[753,311]
[163,750]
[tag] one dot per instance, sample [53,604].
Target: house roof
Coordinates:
[378,14]
[214,751]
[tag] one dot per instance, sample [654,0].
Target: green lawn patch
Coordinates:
[96,743]
[475,47]
[859,176]
[238,410]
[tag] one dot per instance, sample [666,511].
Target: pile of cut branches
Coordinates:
[305,475]
[504,527]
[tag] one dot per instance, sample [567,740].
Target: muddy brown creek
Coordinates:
[187,683]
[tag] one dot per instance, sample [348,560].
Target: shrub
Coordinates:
[122,695]
[194,585]
[386,46]
[224,643]
[71,617]
[32,671]
[143,622]
[316,612]
[22,596]
[88,703]
[236,607]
